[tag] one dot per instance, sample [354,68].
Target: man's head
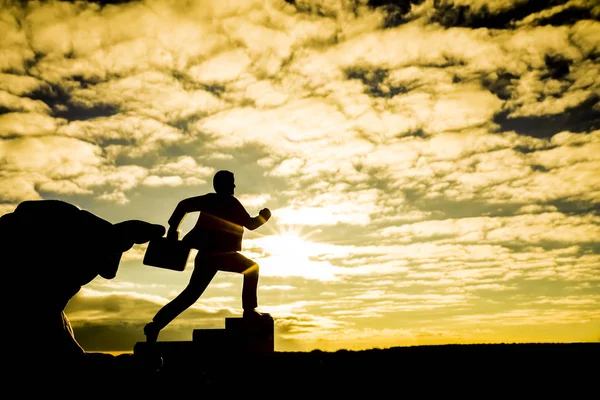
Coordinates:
[224,182]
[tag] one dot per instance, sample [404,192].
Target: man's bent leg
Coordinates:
[236,262]
[199,280]
[250,288]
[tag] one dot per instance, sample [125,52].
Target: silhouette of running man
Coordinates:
[217,236]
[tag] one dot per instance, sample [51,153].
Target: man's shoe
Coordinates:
[151,331]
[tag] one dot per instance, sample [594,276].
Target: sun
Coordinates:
[291,253]
[288,242]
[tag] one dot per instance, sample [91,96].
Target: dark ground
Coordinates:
[487,371]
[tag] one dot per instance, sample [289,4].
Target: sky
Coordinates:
[432,167]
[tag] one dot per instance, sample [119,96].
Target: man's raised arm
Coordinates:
[262,217]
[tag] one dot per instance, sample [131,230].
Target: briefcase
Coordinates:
[167,253]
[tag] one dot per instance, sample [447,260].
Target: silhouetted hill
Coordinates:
[491,368]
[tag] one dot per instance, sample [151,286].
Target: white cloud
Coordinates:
[153,180]
[254,201]
[20,84]
[123,177]
[14,43]
[28,124]
[571,149]
[18,188]
[222,68]
[557,96]
[532,228]
[17,103]
[140,135]
[152,94]
[583,33]
[493,7]
[54,156]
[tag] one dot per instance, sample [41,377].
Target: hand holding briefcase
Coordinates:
[167,253]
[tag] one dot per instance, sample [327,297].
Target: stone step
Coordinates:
[240,336]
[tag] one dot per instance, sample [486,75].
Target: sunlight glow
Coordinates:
[291,254]
[323,215]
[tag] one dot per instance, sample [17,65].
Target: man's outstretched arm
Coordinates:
[185,206]
[262,217]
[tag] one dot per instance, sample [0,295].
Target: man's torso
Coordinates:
[220,226]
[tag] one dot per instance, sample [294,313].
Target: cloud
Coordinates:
[19,85]
[533,317]
[15,46]
[562,13]
[476,6]
[27,124]
[12,102]
[212,71]
[530,229]
[327,209]
[182,171]
[45,160]
[469,165]
[254,201]
[113,306]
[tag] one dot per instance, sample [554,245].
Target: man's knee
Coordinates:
[251,270]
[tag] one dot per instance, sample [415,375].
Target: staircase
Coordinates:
[241,336]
